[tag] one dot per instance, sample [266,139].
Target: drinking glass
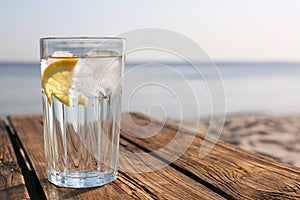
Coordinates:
[81,88]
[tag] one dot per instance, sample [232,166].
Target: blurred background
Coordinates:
[254,44]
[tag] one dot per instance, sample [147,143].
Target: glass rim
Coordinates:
[81,38]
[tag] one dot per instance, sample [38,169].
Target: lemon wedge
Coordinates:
[57,81]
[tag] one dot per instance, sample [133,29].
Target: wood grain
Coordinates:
[12,185]
[239,174]
[30,131]
[227,170]
[166,183]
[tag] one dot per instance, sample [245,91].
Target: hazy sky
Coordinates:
[229,30]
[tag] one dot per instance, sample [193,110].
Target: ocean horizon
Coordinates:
[250,87]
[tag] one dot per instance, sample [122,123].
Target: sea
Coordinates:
[175,90]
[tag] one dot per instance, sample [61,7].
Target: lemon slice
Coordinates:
[57,81]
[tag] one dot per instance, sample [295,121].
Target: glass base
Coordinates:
[81,179]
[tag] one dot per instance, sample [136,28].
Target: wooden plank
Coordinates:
[166,183]
[12,184]
[30,131]
[238,173]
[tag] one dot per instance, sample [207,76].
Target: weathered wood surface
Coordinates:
[12,185]
[167,183]
[235,173]
[30,132]
[227,171]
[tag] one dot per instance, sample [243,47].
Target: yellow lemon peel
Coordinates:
[57,81]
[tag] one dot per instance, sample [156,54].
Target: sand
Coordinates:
[271,135]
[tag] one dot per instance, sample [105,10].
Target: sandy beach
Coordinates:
[276,136]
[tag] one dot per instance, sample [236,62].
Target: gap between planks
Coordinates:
[32,183]
[12,181]
[135,185]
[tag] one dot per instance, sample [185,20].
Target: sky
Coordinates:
[228,30]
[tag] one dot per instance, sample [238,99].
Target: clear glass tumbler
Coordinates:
[82,89]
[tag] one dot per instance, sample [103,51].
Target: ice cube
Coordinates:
[94,75]
[62,54]
[84,77]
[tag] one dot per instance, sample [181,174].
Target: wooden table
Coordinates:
[228,172]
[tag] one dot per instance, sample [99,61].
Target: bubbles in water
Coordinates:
[62,54]
[101,53]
